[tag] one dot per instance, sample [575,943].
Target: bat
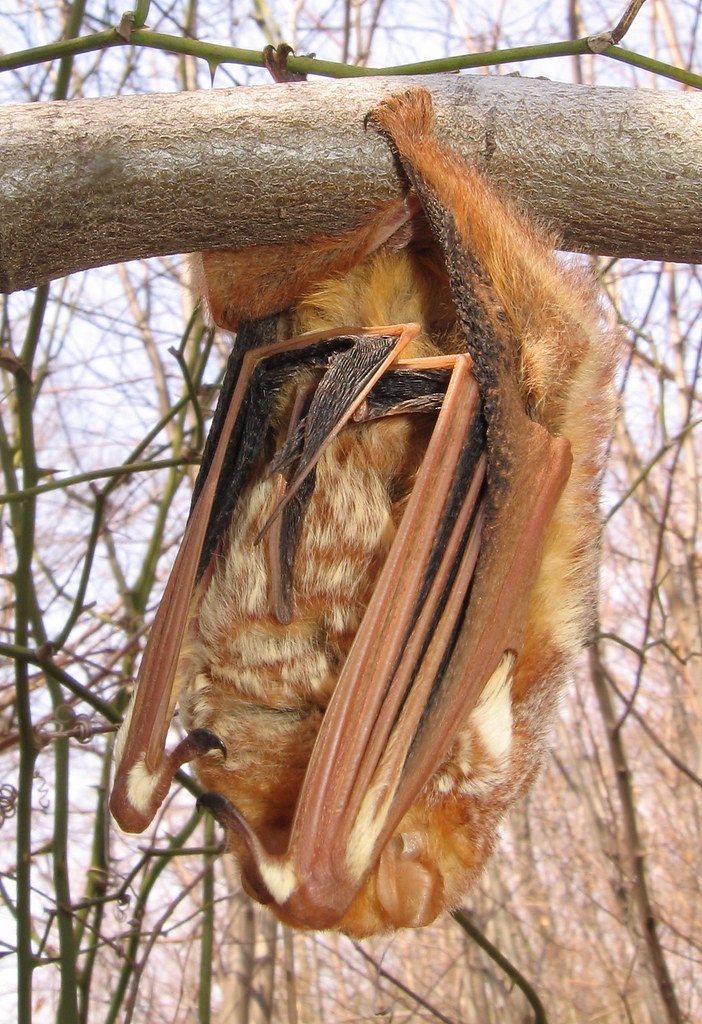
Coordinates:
[389,564]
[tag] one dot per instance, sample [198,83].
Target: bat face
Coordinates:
[390,556]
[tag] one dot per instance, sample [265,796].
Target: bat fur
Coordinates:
[261,685]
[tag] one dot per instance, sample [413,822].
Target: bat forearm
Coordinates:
[551,309]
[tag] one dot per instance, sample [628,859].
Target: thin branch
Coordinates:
[633,847]
[216,54]
[504,964]
[115,473]
[414,996]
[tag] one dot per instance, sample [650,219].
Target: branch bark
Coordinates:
[91,182]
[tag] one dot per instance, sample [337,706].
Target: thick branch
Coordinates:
[91,182]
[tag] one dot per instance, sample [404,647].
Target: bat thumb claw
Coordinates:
[202,741]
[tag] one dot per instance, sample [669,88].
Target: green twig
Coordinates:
[144,584]
[71,28]
[92,905]
[21,654]
[79,599]
[190,383]
[264,18]
[97,474]
[141,12]
[142,588]
[131,962]
[207,935]
[68,996]
[656,67]
[503,963]
[216,54]
[25,607]
[61,48]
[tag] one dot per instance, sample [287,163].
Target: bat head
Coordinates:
[425,867]
[356,881]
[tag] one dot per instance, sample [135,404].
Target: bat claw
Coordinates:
[275,60]
[218,806]
[202,741]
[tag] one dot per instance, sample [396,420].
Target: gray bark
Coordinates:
[91,182]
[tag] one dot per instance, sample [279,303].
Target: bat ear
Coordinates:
[409,887]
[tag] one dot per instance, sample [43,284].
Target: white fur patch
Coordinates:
[123,732]
[279,877]
[141,785]
[483,781]
[444,783]
[492,717]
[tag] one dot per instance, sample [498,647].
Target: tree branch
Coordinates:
[91,182]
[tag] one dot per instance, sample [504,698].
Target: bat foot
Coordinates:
[404,117]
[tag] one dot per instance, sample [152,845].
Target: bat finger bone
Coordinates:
[350,378]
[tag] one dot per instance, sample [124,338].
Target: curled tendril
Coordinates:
[122,906]
[44,791]
[83,728]
[8,802]
[66,725]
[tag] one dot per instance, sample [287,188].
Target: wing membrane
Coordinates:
[144,771]
[418,665]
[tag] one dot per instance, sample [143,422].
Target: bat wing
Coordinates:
[449,606]
[437,626]
[144,771]
[447,614]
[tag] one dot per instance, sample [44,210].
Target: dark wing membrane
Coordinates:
[314,422]
[253,379]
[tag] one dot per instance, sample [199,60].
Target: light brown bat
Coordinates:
[390,559]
